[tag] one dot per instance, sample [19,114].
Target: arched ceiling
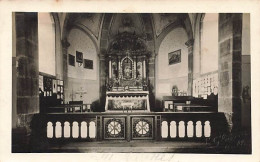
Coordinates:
[126,22]
[138,24]
[162,20]
[150,27]
[91,21]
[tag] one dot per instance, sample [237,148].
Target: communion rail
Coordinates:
[128,126]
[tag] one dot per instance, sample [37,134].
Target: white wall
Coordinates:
[83,84]
[196,51]
[46,43]
[246,34]
[176,74]
[80,41]
[246,69]
[209,43]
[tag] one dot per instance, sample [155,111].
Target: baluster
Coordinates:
[169,125]
[62,129]
[177,129]
[79,130]
[88,130]
[71,125]
[194,129]
[54,128]
[202,129]
[186,129]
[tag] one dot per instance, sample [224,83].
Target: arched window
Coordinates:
[209,43]
[46,43]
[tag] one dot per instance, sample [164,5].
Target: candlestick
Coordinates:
[110,68]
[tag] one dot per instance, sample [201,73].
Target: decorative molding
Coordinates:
[114,128]
[65,43]
[189,43]
[142,128]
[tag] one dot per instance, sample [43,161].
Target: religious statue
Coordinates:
[127,68]
[127,72]
[174,90]
[117,82]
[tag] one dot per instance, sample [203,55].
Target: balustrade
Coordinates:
[188,126]
[127,126]
[73,126]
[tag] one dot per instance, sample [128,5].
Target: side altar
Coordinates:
[127,88]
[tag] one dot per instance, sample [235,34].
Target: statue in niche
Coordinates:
[114,70]
[139,70]
[127,72]
[127,69]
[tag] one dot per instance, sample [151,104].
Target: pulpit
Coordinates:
[127,87]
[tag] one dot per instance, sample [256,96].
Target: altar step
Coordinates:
[133,147]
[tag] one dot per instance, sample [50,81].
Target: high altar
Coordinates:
[127,88]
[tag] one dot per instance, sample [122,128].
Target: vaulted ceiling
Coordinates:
[104,27]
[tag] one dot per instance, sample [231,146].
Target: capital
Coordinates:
[65,43]
[189,43]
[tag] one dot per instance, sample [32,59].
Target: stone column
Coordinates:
[151,82]
[103,79]
[65,46]
[26,74]
[58,48]
[229,68]
[27,63]
[189,45]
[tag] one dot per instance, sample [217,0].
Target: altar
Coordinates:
[127,84]
[127,101]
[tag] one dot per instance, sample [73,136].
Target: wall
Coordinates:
[246,71]
[209,43]
[205,56]
[246,34]
[46,37]
[83,84]
[176,74]
[196,48]
[14,71]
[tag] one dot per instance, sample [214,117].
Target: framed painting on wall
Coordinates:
[174,57]
[88,64]
[71,60]
[79,57]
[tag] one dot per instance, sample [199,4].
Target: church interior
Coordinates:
[131,82]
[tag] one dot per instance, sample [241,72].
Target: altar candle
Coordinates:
[144,68]
[110,69]
[119,69]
